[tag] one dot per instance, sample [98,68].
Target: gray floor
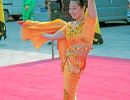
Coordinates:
[13,50]
[116,41]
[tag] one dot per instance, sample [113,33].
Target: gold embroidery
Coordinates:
[75,69]
[77,50]
[73,32]
[66,95]
[75,58]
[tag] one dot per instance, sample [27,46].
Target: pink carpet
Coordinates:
[104,79]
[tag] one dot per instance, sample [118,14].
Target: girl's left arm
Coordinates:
[57,35]
[92,8]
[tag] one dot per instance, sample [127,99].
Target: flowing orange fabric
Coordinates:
[33,30]
[73,49]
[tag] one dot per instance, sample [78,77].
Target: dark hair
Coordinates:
[82,3]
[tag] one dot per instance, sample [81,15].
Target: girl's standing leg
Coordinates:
[71,81]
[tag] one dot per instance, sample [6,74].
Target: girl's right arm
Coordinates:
[58,35]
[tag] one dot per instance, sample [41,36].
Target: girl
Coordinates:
[74,41]
[79,36]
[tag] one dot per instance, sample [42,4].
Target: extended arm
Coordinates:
[92,8]
[58,35]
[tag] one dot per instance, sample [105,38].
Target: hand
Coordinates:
[21,22]
[26,8]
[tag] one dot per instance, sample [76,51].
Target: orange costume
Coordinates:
[73,49]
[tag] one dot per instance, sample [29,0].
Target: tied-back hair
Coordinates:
[82,3]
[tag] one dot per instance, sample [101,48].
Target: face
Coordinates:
[75,10]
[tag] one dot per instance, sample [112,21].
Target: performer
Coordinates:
[74,41]
[28,9]
[2,22]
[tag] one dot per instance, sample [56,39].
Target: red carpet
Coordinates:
[104,79]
